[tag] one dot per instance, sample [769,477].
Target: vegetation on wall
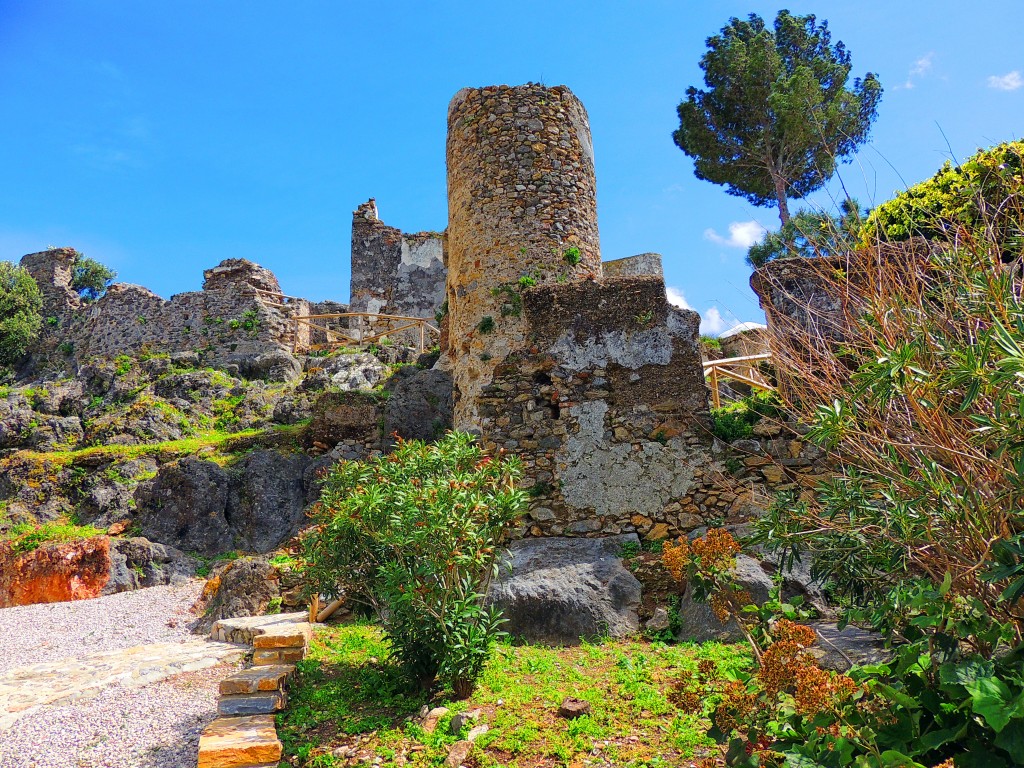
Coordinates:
[920,533]
[969,196]
[811,233]
[90,278]
[20,318]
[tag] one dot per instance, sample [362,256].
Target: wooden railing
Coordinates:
[380,327]
[715,370]
[274,299]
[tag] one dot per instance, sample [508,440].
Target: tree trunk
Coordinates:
[780,195]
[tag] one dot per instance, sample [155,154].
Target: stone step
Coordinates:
[257,680]
[244,628]
[284,636]
[239,742]
[252,704]
[278,656]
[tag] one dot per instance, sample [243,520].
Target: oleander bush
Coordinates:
[416,536]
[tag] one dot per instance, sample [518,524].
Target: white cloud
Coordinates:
[1011,81]
[918,70]
[676,298]
[742,234]
[712,321]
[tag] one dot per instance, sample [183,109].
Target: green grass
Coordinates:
[182,447]
[26,537]
[346,694]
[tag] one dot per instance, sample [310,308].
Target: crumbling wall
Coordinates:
[522,203]
[395,273]
[225,321]
[634,266]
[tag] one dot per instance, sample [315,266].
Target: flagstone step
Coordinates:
[240,742]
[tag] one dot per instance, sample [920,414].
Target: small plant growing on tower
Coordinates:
[572,256]
[486,324]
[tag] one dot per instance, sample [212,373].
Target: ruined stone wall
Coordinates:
[521,196]
[224,322]
[634,266]
[609,411]
[395,273]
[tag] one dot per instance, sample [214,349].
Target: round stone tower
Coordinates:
[522,210]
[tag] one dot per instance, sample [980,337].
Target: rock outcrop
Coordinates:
[560,590]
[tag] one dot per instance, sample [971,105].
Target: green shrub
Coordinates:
[736,420]
[90,278]
[416,536]
[811,233]
[20,318]
[969,196]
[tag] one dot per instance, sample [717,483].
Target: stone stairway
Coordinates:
[244,736]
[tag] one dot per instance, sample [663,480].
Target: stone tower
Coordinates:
[522,209]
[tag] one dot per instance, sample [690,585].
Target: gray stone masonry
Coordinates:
[395,273]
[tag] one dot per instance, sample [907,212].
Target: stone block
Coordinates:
[257,679]
[278,656]
[252,704]
[295,636]
[239,742]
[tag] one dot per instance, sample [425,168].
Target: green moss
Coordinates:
[27,537]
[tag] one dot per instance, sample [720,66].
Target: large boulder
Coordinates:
[185,506]
[267,499]
[243,587]
[840,649]
[756,576]
[271,366]
[697,621]
[54,573]
[420,405]
[562,590]
[137,562]
[342,416]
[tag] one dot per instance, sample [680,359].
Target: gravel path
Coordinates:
[53,631]
[157,726]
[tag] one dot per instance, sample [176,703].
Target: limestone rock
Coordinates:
[184,506]
[659,622]
[560,590]
[266,499]
[839,649]
[243,587]
[429,719]
[137,562]
[420,405]
[458,754]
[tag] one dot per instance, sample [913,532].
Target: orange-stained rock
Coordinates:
[54,573]
[239,742]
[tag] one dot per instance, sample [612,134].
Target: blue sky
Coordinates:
[161,138]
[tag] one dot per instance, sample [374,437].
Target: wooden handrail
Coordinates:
[714,369]
[340,337]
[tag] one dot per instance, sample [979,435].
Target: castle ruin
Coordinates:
[579,366]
